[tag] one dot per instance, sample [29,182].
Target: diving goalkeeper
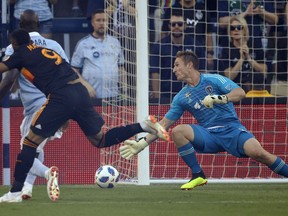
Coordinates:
[209,98]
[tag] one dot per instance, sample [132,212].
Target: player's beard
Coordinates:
[100,32]
[177,34]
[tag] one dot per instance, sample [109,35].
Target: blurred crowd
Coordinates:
[245,40]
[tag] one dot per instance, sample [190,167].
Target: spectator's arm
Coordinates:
[269,17]
[260,67]
[209,46]
[127,7]
[155,85]
[232,72]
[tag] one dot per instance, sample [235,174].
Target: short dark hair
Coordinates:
[98,11]
[177,12]
[188,56]
[29,20]
[21,36]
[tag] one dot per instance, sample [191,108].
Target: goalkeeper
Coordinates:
[209,98]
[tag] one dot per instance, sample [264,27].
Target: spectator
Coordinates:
[256,13]
[241,62]
[164,83]
[42,9]
[100,58]
[76,11]
[122,25]
[279,85]
[196,18]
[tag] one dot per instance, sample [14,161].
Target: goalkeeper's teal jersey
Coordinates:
[190,99]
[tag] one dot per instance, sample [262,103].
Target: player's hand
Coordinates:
[209,100]
[131,148]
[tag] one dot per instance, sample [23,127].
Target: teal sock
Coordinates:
[280,167]
[187,153]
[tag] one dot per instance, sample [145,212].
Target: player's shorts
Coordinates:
[69,102]
[25,128]
[229,138]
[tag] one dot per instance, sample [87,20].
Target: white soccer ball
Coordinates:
[106,176]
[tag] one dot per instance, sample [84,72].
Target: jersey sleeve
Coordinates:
[14,61]
[224,84]
[176,110]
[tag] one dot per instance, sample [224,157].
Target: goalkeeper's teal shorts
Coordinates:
[230,138]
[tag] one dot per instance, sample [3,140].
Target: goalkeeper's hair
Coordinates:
[188,56]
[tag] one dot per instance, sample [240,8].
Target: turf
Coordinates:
[155,200]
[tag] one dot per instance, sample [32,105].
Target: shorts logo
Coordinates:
[38,126]
[209,89]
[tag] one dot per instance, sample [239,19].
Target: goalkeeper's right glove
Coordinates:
[132,147]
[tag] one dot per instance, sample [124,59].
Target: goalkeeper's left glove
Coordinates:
[132,147]
[209,100]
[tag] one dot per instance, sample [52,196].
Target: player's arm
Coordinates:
[133,147]
[89,88]
[233,96]
[3,68]
[7,82]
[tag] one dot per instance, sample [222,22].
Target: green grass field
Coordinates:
[155,200]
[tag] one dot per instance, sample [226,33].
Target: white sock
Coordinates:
[38,167]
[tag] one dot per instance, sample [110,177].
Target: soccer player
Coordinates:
[32,98]
[209,98]
[68,98]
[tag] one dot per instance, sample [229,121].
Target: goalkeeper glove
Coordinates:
[132,147]
[209,100]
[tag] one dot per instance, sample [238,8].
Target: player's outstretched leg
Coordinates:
[151,125]
[52,183]
[198,179]
[11,197]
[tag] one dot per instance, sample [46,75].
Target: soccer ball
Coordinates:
[106,176]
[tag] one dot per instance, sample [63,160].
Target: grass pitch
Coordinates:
[155,200]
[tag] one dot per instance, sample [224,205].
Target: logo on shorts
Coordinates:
[38,126]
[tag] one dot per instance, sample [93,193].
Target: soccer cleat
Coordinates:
[52,183]
[153,127]
[194,183]
[11,197]
[27,191]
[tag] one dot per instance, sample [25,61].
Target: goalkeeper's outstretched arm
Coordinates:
[133,147]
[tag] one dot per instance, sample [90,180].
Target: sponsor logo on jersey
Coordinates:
[209,89]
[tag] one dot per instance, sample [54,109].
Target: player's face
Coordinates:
[236,30]
[181,70]
[99,23]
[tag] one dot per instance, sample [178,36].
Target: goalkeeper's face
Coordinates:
[181,70]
